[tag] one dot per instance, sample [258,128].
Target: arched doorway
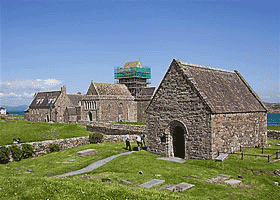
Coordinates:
[178,134]
[90,116]
[47,118]
[179,142]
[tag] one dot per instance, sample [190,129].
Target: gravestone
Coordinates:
[232,182]
[106,180]
[182,187]
[190,176]
[87,152]
[168,187]
[123,182]
[222,157]
[152,183]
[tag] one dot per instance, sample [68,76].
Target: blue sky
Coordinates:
[47,44]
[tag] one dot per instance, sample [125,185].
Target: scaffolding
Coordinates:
[143,72]
[134,77]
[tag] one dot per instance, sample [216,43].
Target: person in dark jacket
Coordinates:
[127,141]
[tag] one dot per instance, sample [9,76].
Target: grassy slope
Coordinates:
[39,185]
[28,132]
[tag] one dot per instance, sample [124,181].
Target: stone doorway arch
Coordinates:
[90,115]
[178,134]
[47,118]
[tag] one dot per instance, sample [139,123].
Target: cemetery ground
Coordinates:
[34,178]
[30,131]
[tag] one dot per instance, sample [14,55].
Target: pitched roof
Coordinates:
[71,110]
[147,91]
[223,91]
[45,99]
[75,98]
[132,64]
[112,89]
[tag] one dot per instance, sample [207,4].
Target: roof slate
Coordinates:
[112,89]
[45,99]
[75,98]
[224,91]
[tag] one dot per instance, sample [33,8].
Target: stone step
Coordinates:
[222,157]
[152,183]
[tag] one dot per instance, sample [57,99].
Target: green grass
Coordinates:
[131,123]
[15,183]
[273,128]
[29,131]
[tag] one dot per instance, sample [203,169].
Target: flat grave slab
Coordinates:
[182,187]
[87,152]
[152,183]
[168,187]
[232,182]
[123,182]
[179,160]
[222,157]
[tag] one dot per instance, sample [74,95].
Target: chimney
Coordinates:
[63,89]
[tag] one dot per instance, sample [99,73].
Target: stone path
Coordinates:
[94,165]
[179,160]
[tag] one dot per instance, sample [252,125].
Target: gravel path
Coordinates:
[94,165]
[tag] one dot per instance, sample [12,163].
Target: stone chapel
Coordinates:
[198,111]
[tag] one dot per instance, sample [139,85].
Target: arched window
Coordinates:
[120,108]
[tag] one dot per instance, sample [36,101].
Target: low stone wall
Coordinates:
[11,118]
[41,148]
[272,134]
[116,129]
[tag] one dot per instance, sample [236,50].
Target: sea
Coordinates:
[16,113]
[272,119]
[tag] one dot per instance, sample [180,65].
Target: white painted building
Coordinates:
[3,110]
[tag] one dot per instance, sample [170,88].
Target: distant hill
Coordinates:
[273,107]
[16,108]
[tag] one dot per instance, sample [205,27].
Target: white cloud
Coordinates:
[52,82]
[19,91]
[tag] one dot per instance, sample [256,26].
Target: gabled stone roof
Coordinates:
[45,99]
[112,89]
[222,90]
[75,98]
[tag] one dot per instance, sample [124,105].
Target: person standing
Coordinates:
[127,141]
[139,143]
[143,139]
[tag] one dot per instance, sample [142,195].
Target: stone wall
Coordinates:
[41,148]
[116,129]
[38,115]
[142,105]
[11,118]
[110,108]
[177,100]
[229,131]
[272,134]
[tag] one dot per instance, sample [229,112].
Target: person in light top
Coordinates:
[139,142]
